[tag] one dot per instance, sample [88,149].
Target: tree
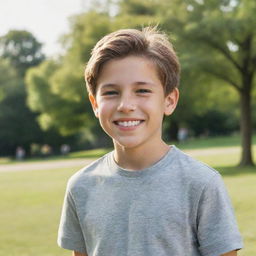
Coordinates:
[219,39]
[22,49]
[17,122]
[61,110]
[19,50]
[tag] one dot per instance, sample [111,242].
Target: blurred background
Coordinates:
[45,115]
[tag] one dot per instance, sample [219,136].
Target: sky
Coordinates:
[47,20]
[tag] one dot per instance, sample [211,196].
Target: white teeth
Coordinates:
[128,123]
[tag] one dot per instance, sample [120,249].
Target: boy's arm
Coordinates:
[84,254]
[232,253]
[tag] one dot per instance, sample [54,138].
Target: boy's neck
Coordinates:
[139,158]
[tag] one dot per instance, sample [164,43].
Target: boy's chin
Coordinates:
[125,145]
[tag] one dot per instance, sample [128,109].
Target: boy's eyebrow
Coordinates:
[144,83]
[103,86]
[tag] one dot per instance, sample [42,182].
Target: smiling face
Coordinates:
[130,102]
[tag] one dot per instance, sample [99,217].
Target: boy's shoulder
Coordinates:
[85,176]
[192,170]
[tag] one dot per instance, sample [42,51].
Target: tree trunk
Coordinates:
[246,127]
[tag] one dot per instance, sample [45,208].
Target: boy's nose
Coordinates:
[126,105]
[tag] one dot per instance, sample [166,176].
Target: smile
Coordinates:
[128,123]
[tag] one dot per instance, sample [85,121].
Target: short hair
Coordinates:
[149,43]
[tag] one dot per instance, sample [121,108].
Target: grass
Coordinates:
[5,160]
[241,187]
[30,210]
[31,203]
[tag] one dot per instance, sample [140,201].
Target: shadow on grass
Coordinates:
[235,170]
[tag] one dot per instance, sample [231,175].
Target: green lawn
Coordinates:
[31,204]
[30,207]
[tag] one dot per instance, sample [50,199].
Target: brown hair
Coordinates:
[148,43]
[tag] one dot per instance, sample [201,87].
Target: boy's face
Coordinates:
[130,102]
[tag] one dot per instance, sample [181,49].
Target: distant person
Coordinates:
[20,153]
[64,149]
[182,134]
[46,150]
[145,198]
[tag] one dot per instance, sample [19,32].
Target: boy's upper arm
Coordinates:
[84,254]
[217,227]
[70,234]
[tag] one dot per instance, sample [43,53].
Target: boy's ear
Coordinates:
[171,101]
[94,104]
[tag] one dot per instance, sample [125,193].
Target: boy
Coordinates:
[145,198]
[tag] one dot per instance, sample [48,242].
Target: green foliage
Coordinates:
[15,117]
[18,126]
[84,35]
[138,8]
[215,38]
[57,111]
[18,50]
[22,49]
[8,79]
[212,123]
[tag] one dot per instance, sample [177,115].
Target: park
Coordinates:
[48,130]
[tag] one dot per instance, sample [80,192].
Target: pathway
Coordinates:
[44,165]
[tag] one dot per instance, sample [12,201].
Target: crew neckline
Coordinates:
[115,168]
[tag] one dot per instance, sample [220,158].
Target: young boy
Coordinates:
[145,198]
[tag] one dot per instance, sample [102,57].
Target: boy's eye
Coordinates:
[143,91]
[109,93]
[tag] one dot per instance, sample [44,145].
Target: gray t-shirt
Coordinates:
[177,207]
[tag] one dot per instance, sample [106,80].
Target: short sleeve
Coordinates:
[217,228]
[70,235]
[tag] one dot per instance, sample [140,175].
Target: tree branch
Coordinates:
[223,51]
[224,78]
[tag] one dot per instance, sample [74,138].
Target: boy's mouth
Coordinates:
[128,123]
